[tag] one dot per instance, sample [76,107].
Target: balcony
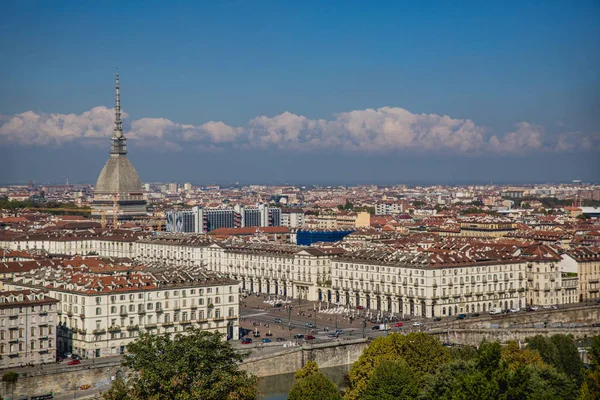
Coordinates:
[185,322]
[202,320]
[133,327]
[13,328]
[13,354]
[194,307]
[43,338]
[100,331]
[232,317]
[123,313]
[150,326]
[218,319]
[167,324]
[13,316]
[82,316]
[114,328]
[43,313]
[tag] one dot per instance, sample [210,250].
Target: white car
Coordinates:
[515,310]
[417,323]
[547,307]
[495,311]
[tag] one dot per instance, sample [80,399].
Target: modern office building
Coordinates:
[202,220]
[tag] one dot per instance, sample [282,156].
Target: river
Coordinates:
[276,387]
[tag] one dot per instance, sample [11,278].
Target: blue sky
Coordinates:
[232,91]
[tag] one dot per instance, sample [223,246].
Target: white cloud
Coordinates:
[385,129]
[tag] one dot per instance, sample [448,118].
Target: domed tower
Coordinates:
[118,193]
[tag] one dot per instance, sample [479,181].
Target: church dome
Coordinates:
[118,177]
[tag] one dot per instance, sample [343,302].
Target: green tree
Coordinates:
[392,380]
[515,357]
[197,365]
[569,360]
[546,348]
[590,390]
[460,380]
[421,352]
[312,384]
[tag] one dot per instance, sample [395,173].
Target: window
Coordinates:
[98,311]
[113,310]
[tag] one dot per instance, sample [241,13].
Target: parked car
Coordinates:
[596,324]
[360,308]
[375,328]
[266,340]
[309,325]
[278,320]
[475,315]
[309,337]
[339,331]
[416,324]
[533,308]
[333,335]
[547,307]
[515,310]
[436,319]
[74,362]
[495,311]
[280,339]
[461,316]
[298,336]
[399,324]
[246,340]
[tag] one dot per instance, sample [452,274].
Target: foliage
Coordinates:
[516,358]
[421,352]
[500,373]
[392,380]
[310,368]
[198,365]
[560,352]
[590,390]
[10,377]
[569,360]
[312,384]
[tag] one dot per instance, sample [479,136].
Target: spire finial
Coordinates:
[118,123]
[118,139]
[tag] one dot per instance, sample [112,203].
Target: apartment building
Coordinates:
[284,270]
[426,284]
[587,260]
[486,226]
[118,243]
[100,313]
[27,327]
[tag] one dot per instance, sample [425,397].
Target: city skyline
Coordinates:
[375,99]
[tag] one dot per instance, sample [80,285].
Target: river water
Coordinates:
[276,387]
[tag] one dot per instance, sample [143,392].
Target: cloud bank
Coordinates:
[382,130]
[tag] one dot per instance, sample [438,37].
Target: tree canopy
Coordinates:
[196,365]
[421,352]
[312,384]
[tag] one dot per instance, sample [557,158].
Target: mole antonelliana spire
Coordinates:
[118,189]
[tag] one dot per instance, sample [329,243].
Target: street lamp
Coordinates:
[290,317]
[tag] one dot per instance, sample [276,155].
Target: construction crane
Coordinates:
[103,219]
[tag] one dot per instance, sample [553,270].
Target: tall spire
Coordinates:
[118,123]
[118,146]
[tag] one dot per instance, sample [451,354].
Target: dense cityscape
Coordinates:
[299,200]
